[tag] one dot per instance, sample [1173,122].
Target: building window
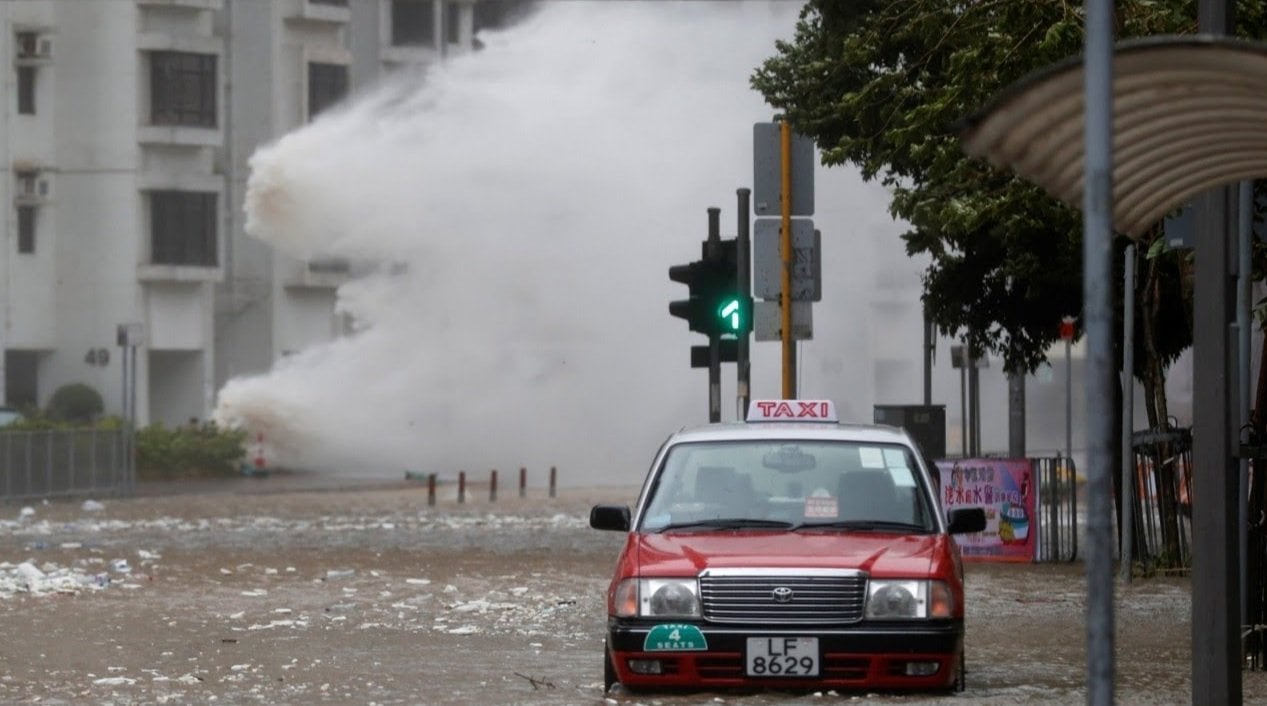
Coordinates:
[183,228]
[26,90]
[327,85]
[26,229]
[182,89]
[413,22]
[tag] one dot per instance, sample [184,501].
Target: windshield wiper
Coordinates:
[726,523]
[863,525]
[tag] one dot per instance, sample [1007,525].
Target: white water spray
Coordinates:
[531,197]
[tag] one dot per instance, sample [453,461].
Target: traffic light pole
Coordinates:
[719,304]
[743,364]
[714,341]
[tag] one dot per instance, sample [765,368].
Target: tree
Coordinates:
[883,84]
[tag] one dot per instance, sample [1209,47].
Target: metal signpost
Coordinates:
[783,184]
[130,337]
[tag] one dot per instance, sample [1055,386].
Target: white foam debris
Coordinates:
[114,681]
[92,506]
[26,578]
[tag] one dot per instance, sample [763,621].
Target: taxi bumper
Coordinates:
[899,657]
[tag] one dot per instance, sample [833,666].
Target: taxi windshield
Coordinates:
[778,484]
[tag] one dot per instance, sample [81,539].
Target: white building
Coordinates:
[124,140]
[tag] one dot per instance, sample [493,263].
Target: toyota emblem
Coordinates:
[782,594]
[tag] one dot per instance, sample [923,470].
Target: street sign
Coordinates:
[767,260]
[767,172]
[767,321]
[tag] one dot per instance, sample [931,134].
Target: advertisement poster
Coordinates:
[1005,488]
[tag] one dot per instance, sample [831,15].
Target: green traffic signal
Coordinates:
[717,305]
[731,315]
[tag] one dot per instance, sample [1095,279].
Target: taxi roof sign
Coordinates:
[792,411]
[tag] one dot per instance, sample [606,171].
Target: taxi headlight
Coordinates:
[664,598]
[907,599]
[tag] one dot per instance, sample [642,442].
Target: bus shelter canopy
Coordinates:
[1189,114]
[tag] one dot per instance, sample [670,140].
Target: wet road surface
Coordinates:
[282,591]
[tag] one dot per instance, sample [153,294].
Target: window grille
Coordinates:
[183,228]
[182,89]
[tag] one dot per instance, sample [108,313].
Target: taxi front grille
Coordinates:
[816,599]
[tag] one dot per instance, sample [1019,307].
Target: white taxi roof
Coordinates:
[824,431]
[794,419]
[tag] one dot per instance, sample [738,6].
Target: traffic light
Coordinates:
[730,306]
[717,305]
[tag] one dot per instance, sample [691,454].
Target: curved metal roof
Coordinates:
[1189,114]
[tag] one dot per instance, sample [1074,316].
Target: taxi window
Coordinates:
[795,482]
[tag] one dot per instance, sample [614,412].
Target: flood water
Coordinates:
[266,592]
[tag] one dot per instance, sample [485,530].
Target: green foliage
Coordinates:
[885,85]
[188,452]
[76,403]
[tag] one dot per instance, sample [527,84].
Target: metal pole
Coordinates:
[1097,220]
[1216,643]
[785,236]
[1245,207]
[132,409]
[974,403]
[1128,413]
[930,349]
[743,354]
[963,407]
[1069,400]
[714,342]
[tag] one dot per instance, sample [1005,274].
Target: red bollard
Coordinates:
[523,481]
[431,490]
[492,486]
[461,487]
[553,479]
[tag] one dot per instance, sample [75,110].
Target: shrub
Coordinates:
[78,403]
[188,452]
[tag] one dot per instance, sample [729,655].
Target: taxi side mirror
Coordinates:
[616,517]
[967,519]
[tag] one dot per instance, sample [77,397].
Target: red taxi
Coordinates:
[787,551]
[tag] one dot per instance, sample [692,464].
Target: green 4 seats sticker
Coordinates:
[675,637]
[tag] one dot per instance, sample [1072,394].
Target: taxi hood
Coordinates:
[687,554]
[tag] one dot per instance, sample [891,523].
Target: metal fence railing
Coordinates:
[1058,508]
[51,463]
[1161,504]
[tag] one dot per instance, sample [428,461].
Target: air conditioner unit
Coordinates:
[33,45]
[32,187]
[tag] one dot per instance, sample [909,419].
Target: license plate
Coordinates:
[782,657]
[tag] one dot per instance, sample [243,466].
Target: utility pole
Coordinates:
[1216,644]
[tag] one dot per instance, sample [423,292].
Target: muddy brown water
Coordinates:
[299,591]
